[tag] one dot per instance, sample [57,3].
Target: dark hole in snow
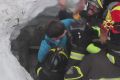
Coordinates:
[25,46]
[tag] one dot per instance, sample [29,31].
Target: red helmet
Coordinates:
[112,21]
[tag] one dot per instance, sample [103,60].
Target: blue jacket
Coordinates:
[47,43]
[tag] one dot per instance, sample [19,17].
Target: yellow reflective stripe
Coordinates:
[76,56]
[111,58]
[100,3]
[108,16]
[38,71]
[116,8]
[91,48]
[79,72]
[52,49]
[108,79]
[61,52]
[97,29]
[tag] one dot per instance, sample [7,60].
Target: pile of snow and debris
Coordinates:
[12,13]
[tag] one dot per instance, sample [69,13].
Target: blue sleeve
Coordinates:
[67,23]
[43,50]
[63,42]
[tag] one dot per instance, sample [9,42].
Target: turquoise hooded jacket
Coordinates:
[45,46]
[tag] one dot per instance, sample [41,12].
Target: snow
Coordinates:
[12,13]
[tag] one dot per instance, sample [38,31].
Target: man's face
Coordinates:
[81,5]
[92,10]
[62,4]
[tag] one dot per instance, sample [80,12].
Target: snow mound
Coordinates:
[13,13]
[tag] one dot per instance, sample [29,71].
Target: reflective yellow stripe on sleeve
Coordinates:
[111,58]
[91,48]
[97,29]
[52,49]
[79,72]
[38,70]
[76,56]
[63,54]
[106,79]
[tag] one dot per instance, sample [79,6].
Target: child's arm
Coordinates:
[43,50]
[67,23]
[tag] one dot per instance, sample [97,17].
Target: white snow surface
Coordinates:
[13,12]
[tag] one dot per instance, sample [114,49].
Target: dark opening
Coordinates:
[25,46]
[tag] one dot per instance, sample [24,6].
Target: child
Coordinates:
[56,36]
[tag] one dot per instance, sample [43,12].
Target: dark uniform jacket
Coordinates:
[53,67]
[100,66]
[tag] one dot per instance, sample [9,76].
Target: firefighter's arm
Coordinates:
[79,72]
[86,65]
[96,31]
[93,49]
[94,46]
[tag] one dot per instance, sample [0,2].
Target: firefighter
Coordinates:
[106,64]
[54,65]
[85,36]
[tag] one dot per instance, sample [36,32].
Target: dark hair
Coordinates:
[54,29]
